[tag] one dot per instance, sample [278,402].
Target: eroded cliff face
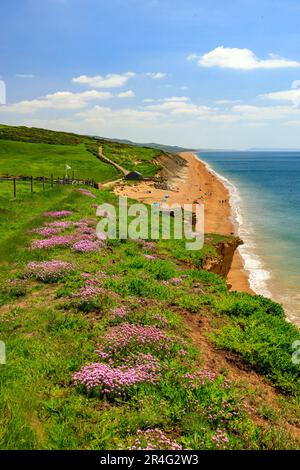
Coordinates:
[221,264]
[170,165]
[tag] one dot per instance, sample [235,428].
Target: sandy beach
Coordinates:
[195,182]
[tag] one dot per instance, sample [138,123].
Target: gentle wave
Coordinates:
[257,274]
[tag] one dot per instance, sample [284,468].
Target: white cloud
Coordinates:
[193,56]
[25,75]
[292,95]
[227,101]
[240,59]
[109,117]
[156,75]
[295,84]
[176,98]
[259,113]
[126,94]
[59,100]
[112,80]
[176,105]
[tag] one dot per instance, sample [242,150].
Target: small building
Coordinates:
[134,175]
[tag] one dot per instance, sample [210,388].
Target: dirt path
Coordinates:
[111,162]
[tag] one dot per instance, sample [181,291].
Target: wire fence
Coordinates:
[44,181]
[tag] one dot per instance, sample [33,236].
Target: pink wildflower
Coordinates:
[48,271]
[57,214]
[52,242]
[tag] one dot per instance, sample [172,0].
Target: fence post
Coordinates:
[51,180]
[31,184]
[15,188]
[43,183]
[72,175]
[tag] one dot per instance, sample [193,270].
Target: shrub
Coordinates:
[193,302]
[160,269]
[264,342]
[243,304]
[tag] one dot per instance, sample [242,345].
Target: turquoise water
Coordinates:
[265,198]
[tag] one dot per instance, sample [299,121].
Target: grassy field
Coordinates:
[40,152]
[27,159]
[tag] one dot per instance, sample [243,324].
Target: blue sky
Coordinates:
[217,74]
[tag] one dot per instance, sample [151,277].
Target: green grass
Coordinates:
[141,159]
[260,335]
[44,152]
[35,159]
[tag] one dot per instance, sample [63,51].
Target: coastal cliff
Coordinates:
[221,264]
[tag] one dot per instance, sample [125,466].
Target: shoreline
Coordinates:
[196,181]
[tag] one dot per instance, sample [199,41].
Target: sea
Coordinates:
[264,191]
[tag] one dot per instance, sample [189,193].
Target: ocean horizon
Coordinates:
[265,199]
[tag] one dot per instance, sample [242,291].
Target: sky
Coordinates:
[195,73]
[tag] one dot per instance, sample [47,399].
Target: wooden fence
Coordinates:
[44,180]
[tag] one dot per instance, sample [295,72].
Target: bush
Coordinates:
[160,269]
[264,342]
[242,304]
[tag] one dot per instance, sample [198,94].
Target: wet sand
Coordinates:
[195,182]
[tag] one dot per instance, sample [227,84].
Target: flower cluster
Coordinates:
[200,378]
[220,439]
[146,244]
[89,291]
[48,271]
[63,224]
[86,192]
[150,257]
[47,231]
[154,439]
[86,246]
[57,214]
[175,281]
[125,335]
[48,243]
[117,381]
[91,296]
[226,410]
[119,312]
[101,236]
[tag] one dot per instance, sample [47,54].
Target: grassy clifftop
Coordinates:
[118,344]
[39,152]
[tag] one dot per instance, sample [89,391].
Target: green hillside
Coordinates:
[35,159]
[39,152]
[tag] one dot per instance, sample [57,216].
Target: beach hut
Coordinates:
[134,175]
